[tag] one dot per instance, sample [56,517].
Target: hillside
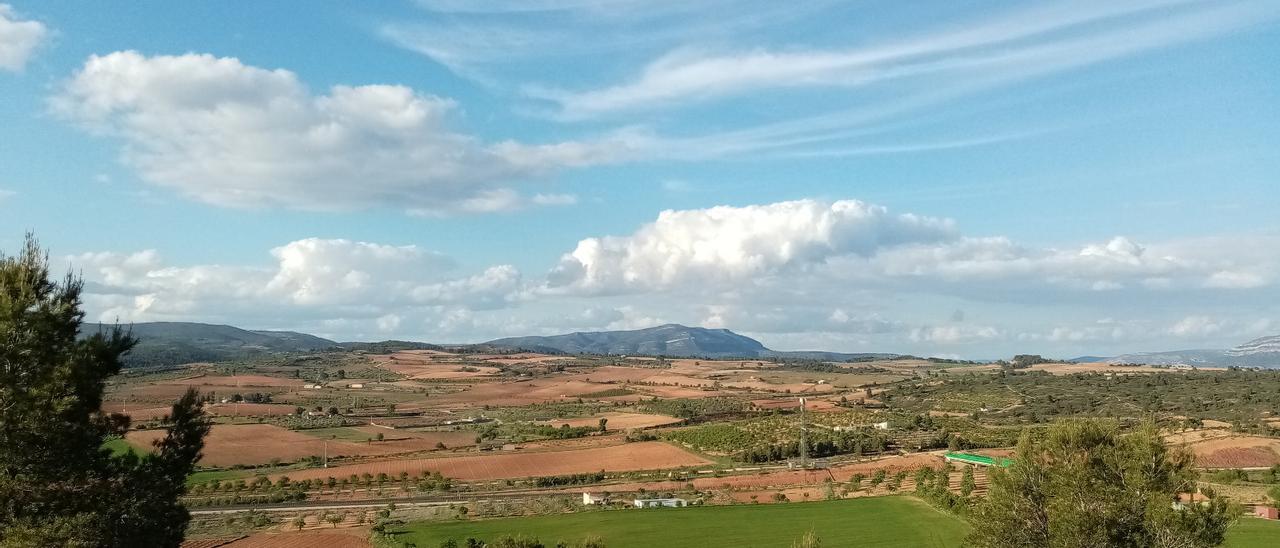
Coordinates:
[1262,349]
[666,340]
[171,343]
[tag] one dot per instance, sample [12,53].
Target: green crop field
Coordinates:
[339,433]
[119,446]
[1253,533]
[866,522]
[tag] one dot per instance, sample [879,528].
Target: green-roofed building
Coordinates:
[979,460]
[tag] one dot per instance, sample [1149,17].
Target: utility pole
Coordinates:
[804,437]
[326,453]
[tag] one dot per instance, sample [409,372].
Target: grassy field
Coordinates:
[868,522]
[119,446]
[339,433]
[1253,533]
[220,475]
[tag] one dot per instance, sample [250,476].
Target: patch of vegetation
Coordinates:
[695,408]
[307,422]
[120,447]
[1253,533]
[571,479]
[521,431]
[777,437]
[1239,397]
[609,393]
[543,411]
[878,521]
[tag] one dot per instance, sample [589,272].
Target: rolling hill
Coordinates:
[672,340]
[171,343]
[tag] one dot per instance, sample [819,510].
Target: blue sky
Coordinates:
[967,179]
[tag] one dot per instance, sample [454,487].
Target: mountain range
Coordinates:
[1260,352]
[172,343]
[668,340]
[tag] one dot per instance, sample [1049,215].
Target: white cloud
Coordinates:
[388,323]
[1227,279]
[822,245]
[1196,326]
[311,280]
[316,271]
[727,244]
[231,134]
[6,194]
[19,39]
[955,334]
[555,199]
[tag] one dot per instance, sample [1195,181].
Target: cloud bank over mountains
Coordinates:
[843,275]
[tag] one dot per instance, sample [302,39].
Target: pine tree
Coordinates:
[1087,484]
[58,487]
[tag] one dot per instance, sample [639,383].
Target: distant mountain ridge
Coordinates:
[1261,346]
[1261,352]
[171,343]
[672,340]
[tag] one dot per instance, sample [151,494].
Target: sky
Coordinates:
[959,179]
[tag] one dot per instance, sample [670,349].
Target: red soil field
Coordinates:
[620,421]
[794,403]
[229,445]
[138,411]
[1237,452]
[611,373]
[152,393]
[618,458]
[423,366]
[248,409]
[424,440]
[520,393]
[678,392]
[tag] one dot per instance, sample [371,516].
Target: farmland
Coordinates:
[884,521]
[1253,533]
[636,456]
[523,429]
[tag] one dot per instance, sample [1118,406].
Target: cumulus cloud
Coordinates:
[312,279]
[19,39]
[821,246]
[231,134]
[955,334]
[737,244]
[1196,326]
[1227,279]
